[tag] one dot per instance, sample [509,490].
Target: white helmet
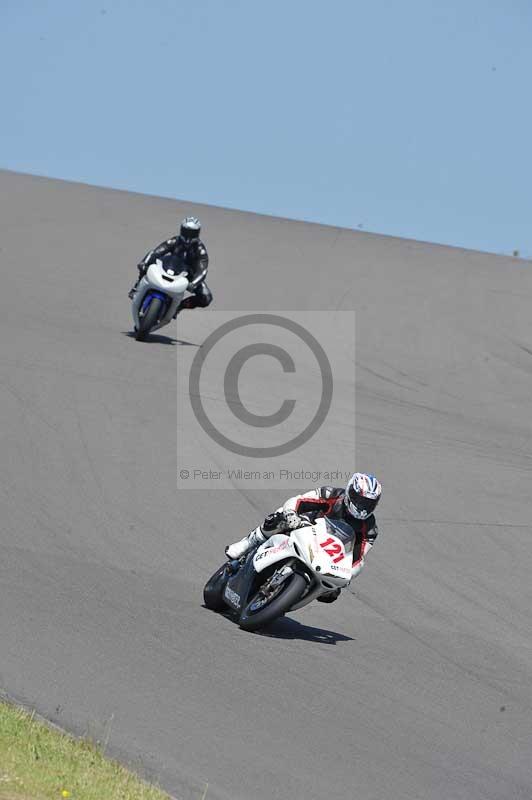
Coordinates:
[362,494]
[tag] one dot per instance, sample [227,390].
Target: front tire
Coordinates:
[291,590]
[214,589]
[149,318]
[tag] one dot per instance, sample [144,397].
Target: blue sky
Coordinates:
[408,118]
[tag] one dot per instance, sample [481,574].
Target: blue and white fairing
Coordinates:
[163,283]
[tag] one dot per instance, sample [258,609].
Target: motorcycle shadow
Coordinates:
[288,628]
[157,338]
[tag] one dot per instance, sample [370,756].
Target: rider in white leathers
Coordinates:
[354,505]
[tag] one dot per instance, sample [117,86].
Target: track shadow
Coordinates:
[287,628]
[156,338]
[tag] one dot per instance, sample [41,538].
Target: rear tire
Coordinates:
[290,593]
[214,589]
[149,319]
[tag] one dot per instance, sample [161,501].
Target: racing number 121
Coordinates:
[333,548]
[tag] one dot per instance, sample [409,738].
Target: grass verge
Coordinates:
[40,763]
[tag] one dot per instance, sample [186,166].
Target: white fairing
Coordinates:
[323,554]
[174,286]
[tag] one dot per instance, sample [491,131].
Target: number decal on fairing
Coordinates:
[333,548]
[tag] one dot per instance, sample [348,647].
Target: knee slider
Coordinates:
[204,300]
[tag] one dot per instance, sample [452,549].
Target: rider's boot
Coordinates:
[131,293]
[142,268]
[238,549]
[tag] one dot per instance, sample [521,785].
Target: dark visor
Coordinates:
[361,503]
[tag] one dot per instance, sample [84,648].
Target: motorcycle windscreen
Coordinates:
[343,531]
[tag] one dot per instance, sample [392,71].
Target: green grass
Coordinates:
[39,763]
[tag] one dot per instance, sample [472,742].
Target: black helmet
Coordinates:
[190,230]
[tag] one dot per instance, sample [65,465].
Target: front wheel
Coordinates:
[149,318]
[267,605]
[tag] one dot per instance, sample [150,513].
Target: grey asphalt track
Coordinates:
[417,685]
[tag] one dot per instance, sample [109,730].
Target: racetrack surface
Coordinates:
[414,685]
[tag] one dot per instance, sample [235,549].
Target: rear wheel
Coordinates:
[214,589]
[271,602]
[148,318]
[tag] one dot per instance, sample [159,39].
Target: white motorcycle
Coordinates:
[283,574]
[157,298]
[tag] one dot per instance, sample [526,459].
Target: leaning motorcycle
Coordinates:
[157,297]
[283,574]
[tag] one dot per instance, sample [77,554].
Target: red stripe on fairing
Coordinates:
[362,543]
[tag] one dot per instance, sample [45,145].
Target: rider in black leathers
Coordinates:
[190,254]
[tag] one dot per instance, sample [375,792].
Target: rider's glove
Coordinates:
[281,521]
[273,522]
[293,520]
